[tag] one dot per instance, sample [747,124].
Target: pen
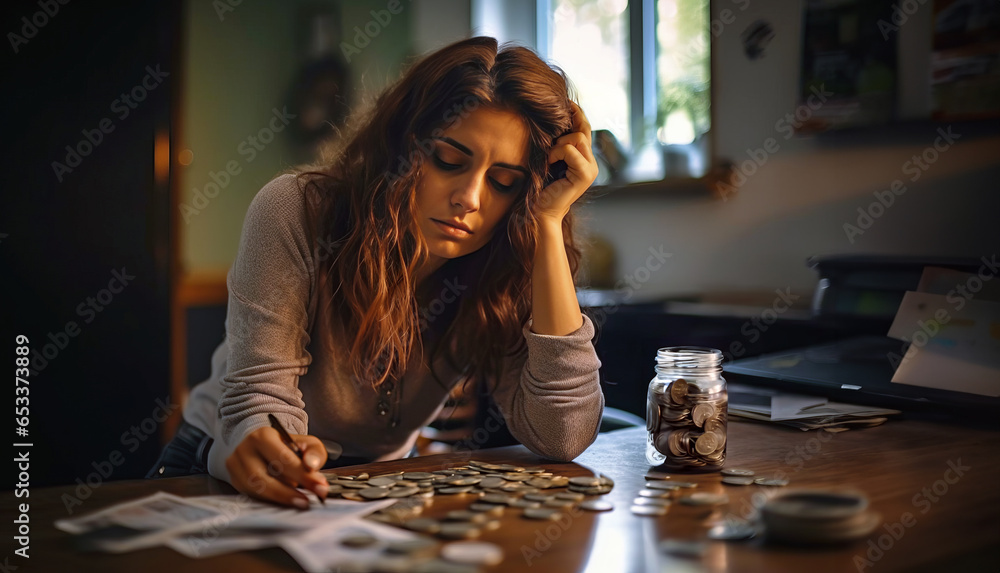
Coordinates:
[287,439]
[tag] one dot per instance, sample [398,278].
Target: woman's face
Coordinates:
[476,170]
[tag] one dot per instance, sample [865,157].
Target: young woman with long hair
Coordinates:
[434,249]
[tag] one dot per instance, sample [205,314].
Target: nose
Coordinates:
[468,193]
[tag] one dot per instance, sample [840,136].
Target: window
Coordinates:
[642,70]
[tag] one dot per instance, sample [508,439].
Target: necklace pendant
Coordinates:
[382,408]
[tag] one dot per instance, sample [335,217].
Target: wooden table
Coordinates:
[935,485]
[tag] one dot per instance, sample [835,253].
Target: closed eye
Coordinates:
[501,187]
[444,165]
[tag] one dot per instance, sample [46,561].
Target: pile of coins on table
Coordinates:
[818,516]
[688,426]
[536,492]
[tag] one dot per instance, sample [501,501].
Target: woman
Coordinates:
[430,252]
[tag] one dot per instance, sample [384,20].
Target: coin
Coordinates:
[525,503]
[585,481]
[773,482]
[737,480]
[732,531]
[706,443]
[459,530]
[358,540]
[488,508]
[570,495]
[678,391]
[704,498]
[492,482]
[683,548]
[473,552]
[702,413]
[654,493]
[737,472]
[651,501]
[416,546]
[455,489]
[466,515]
[542,513]
[560,503]
[597,505]
[397,492]
[649,510]
[351,496]
[382,481]
[418,475]
[497,498]
[374,492]
[666,485]
[423,525]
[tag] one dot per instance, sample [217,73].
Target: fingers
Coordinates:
[578,140]
[249,474]
[580,121]
[579,169]
[264,467]
[293,470]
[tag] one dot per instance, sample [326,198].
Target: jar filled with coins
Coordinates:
[686,410]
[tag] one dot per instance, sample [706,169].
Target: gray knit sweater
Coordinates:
[274,359]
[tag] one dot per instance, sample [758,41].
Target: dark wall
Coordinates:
[66,236]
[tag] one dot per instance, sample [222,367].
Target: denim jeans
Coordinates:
[186,454]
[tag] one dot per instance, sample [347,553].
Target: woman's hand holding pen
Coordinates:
[264,467]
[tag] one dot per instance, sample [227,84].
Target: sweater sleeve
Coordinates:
[551,396]
[267,321]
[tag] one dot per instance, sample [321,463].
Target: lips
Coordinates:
[454,225]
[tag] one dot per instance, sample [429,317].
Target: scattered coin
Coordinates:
[737,472]
[423,525]
[542,513]
[473,552]
[382,481]
[466,515]
[459,530]
[649,510]
[416,546]
[654,493]
[585,481]
[772,482]
[569,495]
[374,492]
[651,501]
[487,508]
[704,498]
[732,531]
[682,548]
[358,540]
[418,475]
[597,505]
[737,480]
[665,485]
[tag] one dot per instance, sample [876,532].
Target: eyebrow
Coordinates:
[468,152]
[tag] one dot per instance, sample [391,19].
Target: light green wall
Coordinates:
[236,70]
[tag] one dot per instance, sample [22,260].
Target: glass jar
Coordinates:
[686,410]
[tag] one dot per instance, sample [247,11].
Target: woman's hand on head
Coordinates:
[263,467]
[574,148]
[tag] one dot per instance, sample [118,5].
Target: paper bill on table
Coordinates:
[252,525]
[320,549]
[158,511]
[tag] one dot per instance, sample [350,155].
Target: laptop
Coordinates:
[862,294]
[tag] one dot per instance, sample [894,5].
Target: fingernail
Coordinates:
[312,461]
[321,491]
[300,502]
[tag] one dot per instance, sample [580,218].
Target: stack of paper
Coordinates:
[803,412]
[952,323]
[212,525]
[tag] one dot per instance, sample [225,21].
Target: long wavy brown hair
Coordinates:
[363,205]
